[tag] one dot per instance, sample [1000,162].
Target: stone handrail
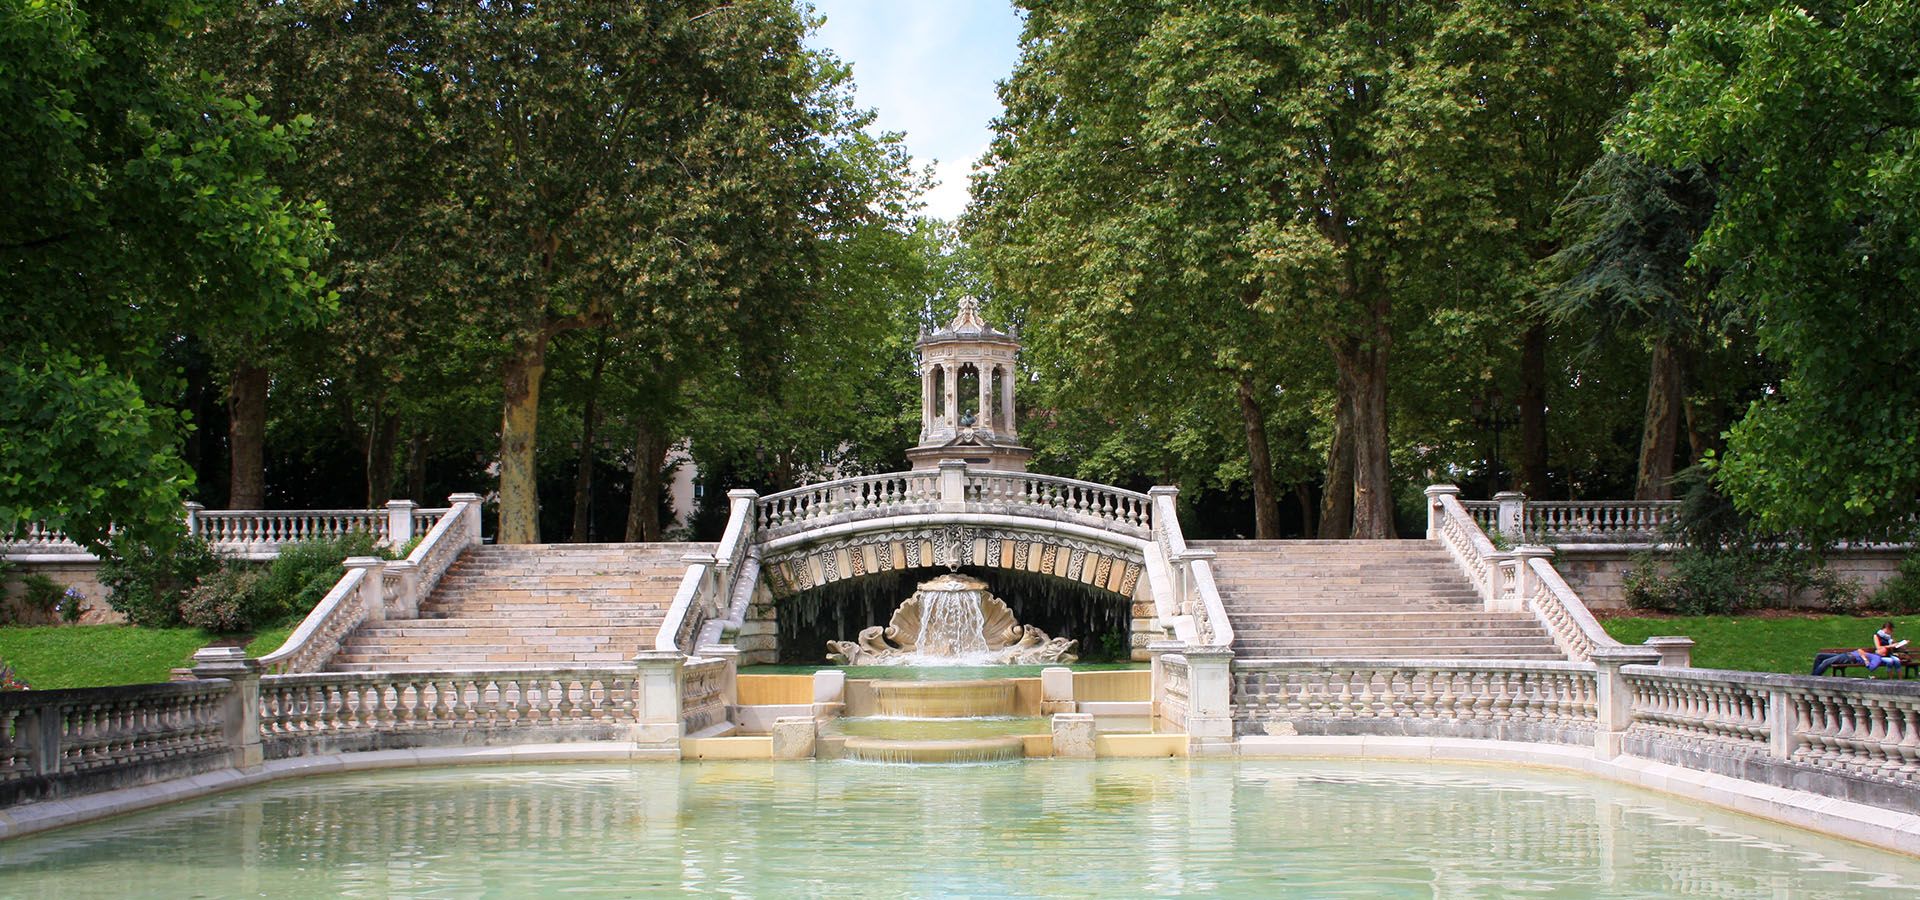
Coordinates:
[1198,615]
[801,508]
[716,587]
[318,636]
[1851,729]
[1551,701]
[1575,631]
[257,533]
[455,531]
[1449,523]
[295,710]
[703,693]
[52,742]
[1108,508]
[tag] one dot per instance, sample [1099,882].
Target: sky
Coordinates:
[928,68]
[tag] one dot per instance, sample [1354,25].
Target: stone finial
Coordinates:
[969,317]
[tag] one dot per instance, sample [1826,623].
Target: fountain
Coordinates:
[952,620]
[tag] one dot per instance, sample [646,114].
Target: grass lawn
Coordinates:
[269,640]
[1769,644]
[69,656]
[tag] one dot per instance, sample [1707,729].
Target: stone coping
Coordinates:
[855,524]
[1872,825]
[1819,684]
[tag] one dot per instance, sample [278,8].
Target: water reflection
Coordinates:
[1040,829]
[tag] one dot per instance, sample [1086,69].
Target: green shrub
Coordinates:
[1730,580]
[41,594]
[224,601]
[147,582]
[302,575]
[1901,593]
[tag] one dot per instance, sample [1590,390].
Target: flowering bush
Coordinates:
[9,681]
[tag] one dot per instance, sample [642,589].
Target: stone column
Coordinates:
[952,395]
[1436,513]
[408,574]
[1006,402]
[373,588]
[1524,580]
[1614,697]
[657,681]
[1210,698]
[472,515]
[400,522]
[193,511]
[1512,515]
[241,717]
[1675,652]
[927,400]
[985,390]
[1782,717]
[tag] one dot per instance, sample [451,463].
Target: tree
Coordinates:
[1807,118]
[139,208]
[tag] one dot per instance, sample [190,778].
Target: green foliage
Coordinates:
[224,601]
[301,576]
[1751,644]
[1805,117]
[137,209]
[1901,593]
[9,681]
[147,582]
[41,594]
[64,656]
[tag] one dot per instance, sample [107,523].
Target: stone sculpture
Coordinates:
[952,619]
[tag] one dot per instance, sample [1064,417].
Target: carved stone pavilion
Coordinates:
[967,373]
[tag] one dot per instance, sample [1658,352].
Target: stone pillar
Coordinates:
[1006,403]
[1073,735]
[657,682]
[408,597]
[1524,581]
[241,716]
[1782,717]
[400,522]
[1210,697]
[793,737]
[985,389]
[953,485]
[192,516]
[951,396]
[1511,516]
[1613,697]
[1158,677]
[730,682]
[1436,513]
[373,588]
[472,515]
[1675,652]
[1056,691]
[926,401]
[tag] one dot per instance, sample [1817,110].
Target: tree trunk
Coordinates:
[519,424]
[1303,492]
[643,505]
[382,440]
[1364,371]
[417,467]
[1666,391]
[1266,507]
[247,437]
[583,474]
[1336,498]
[1533,410]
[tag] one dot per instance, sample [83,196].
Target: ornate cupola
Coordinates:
[967,374]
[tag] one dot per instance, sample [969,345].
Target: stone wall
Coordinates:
[82,575]
[1598,573]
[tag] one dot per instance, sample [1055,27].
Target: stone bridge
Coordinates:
[1122,542]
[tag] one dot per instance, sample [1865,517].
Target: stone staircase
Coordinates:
[1363,599]
[527,606]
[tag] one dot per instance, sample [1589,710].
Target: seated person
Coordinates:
[1882,654]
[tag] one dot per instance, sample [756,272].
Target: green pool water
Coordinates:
[1111,828]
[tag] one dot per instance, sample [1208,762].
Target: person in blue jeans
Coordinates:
[1885,653]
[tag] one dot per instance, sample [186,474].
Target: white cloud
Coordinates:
[948,198]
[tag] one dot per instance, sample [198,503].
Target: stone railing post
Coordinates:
[1675,652]
[730,682]
[953,485]
[408,574]
[1524,580]
[400,522]
[192,516]
[1056,690]
[472,502]
[373,589]
[39,732]
[658,683]
[1614,696]
[1502,568]
[1436,511]
[1511,517]
[1781,719]
[241,716]
[1210,695]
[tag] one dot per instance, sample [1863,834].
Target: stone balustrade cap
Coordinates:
[697,558]
[1165,646]
[1625,656]
[1163,490]
[1206,651]
[743,494]
[222,662]
[1669,640]
[658,656]
[1435,490]
[401,565]
[1532,551]
[1510,495]
[463,498]
[402,504]
[363,562]
[194,505]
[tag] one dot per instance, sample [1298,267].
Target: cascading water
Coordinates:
[953,629]
[952,620]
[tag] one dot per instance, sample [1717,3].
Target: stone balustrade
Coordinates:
[373,590]
[870,496]
[1045,496]
[705,689]
[1531,701]
[255,533]
[1192,604]
[58,743]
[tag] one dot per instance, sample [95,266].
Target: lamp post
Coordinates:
[1494,414]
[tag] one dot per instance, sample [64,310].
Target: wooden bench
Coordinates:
[1905,669]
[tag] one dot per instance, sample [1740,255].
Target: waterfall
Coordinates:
[952,626]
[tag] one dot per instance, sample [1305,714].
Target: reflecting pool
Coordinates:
[1112,828]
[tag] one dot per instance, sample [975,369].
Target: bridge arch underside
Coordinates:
[1086,587]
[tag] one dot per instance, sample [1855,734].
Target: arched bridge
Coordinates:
[1120,541]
